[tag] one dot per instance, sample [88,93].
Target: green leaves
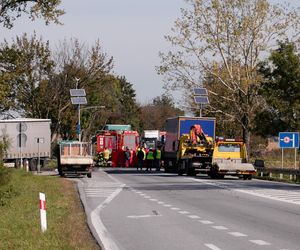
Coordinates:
[10,10]
[281,89]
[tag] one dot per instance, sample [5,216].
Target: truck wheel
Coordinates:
[89,175]
[245,176]
[191,172]
[250,177]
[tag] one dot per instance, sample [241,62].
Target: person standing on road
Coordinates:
[149,159]
[140,158]
[127,157]
[157,157]
[106,155]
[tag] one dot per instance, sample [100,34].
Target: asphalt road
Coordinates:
[129,209]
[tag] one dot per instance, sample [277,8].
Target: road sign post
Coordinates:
[289,140]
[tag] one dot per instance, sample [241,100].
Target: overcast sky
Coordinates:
[132,31]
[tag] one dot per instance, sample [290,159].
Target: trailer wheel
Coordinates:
[246,176]
[89,175]
[33,165]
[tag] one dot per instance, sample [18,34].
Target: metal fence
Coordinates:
[291,174]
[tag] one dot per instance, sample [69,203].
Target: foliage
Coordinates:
[10,10]
[24,65]
[219,44]
[38,81]
[79,66]
[154,115]
[128,110]
[281,90]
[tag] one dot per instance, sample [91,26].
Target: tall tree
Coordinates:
[220,43]
[10,10]
[85,67]
[25,63]
[154,115]
[281,90]
[128,108]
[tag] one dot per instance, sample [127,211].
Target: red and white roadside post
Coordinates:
[43,212]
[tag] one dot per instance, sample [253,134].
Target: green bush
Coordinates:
[5,175]
[6,190]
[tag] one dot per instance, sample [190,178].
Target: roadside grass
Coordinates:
[19,216]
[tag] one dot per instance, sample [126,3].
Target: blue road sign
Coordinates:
[289,139]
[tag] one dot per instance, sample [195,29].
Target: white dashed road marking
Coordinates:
[260,242]
[237,234]
[206,222]
[183,212]
[220,227]
[212,246]
[175,208]
[194,217]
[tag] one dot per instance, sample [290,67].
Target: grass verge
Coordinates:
[19,215]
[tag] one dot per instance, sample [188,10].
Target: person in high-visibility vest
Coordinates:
[149,159]
[157,158]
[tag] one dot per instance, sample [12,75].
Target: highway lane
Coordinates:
[165,211]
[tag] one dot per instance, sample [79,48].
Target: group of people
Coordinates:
[148,158]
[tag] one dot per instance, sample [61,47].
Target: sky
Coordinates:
[131,31]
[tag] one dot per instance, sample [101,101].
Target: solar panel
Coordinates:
[200,91]
[78,100]
[77,92]
[201,99]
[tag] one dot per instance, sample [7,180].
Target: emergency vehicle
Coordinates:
[116,141]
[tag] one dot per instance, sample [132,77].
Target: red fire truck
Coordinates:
[117,142]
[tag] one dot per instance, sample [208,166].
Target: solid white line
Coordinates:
[260,242]
[220,227]
[194,217]
[237,234]
[212,246]
[101,230]
[206,222]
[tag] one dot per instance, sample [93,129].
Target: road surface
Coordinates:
[129,209]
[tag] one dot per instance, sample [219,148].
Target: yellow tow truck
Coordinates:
[230,158]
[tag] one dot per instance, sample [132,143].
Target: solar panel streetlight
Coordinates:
[201,98]
[78,98]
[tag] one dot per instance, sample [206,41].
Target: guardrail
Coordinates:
[291,174]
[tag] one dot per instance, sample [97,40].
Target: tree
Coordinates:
[128,108]
[24,64]
[281,90]
[85,67]
[154,115]
[219,44]
[10,10]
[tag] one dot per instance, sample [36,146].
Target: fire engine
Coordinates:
[116,141]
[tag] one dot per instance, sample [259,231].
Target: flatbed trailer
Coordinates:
[75,158]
